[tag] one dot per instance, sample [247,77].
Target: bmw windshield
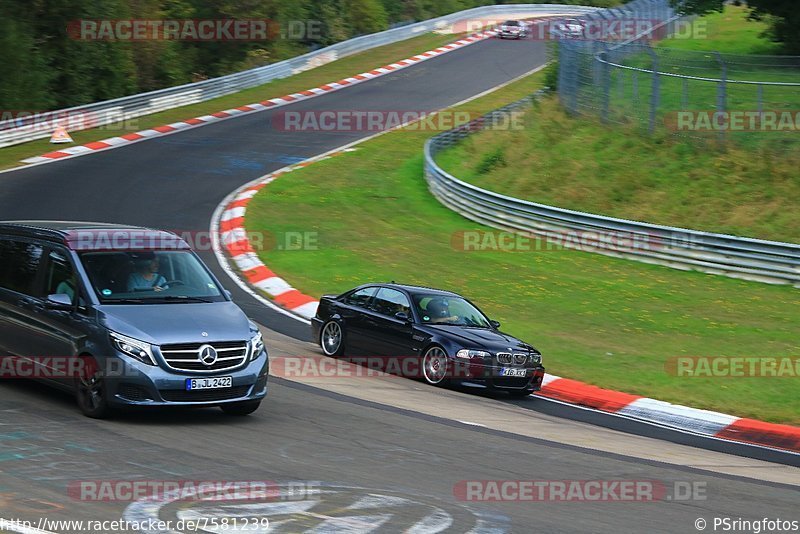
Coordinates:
[449,310]
[149,277]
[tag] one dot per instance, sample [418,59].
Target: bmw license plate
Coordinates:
[509,371]
[217,382]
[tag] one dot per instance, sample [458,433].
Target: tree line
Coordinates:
[44,65]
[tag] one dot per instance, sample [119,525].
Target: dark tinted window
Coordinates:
[511,23]
[390,301]
[19,264]
[360,297]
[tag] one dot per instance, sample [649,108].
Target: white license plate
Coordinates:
[217,382]
[508,371]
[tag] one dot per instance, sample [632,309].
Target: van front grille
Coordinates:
[189,356]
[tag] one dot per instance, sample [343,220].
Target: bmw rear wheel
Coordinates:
[331,339]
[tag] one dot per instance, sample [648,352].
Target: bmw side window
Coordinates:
[360,298]
[19,266]
[390,301]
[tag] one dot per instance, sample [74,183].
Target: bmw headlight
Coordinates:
[256,346]
[138,350]
[536,358]
[470,354]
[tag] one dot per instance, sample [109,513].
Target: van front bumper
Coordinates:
[143,385]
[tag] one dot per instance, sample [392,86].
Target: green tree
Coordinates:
[365,16]
[24,84]
[784,18]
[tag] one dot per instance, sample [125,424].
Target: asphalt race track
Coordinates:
[384,459]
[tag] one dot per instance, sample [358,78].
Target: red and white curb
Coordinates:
[233,239]
[167,129]
[704,422]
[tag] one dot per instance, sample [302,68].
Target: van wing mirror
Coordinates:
[59,301]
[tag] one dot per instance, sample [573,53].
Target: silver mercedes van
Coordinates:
[123,316]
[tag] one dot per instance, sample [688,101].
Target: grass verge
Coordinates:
[336,70]
[586,165]
[728,31]
[609,322]
[742,43]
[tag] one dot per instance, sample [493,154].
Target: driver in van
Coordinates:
[146,276]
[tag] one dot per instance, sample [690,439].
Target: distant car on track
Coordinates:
[513,29]
[437,335]
[567,29]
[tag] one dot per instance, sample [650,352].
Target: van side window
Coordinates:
[19,265]
[60,278]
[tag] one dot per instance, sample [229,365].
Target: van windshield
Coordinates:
[149,277]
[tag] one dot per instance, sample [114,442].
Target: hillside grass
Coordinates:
[583,164]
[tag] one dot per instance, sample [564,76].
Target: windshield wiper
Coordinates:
[124,301]
[181,298]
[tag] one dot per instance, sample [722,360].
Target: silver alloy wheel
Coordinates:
[331,338]
[434,365]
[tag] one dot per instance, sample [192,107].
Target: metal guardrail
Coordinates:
[129,107]
[679,248]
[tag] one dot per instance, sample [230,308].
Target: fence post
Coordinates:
[573,77]
[721,93]
[685,94]
[655,90]
[760,97]
[602,61]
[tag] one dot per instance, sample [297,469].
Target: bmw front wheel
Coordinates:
[331,339]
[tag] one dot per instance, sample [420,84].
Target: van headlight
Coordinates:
[138,350]
[256,346]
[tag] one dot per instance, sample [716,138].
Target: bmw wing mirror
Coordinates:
[229,294]
[403,316]
[495,324]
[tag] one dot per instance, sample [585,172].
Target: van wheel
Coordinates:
[241,408]
[90,389]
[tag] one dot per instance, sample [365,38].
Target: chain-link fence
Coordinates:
[749,98]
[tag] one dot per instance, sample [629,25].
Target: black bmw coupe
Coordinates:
[425,333]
